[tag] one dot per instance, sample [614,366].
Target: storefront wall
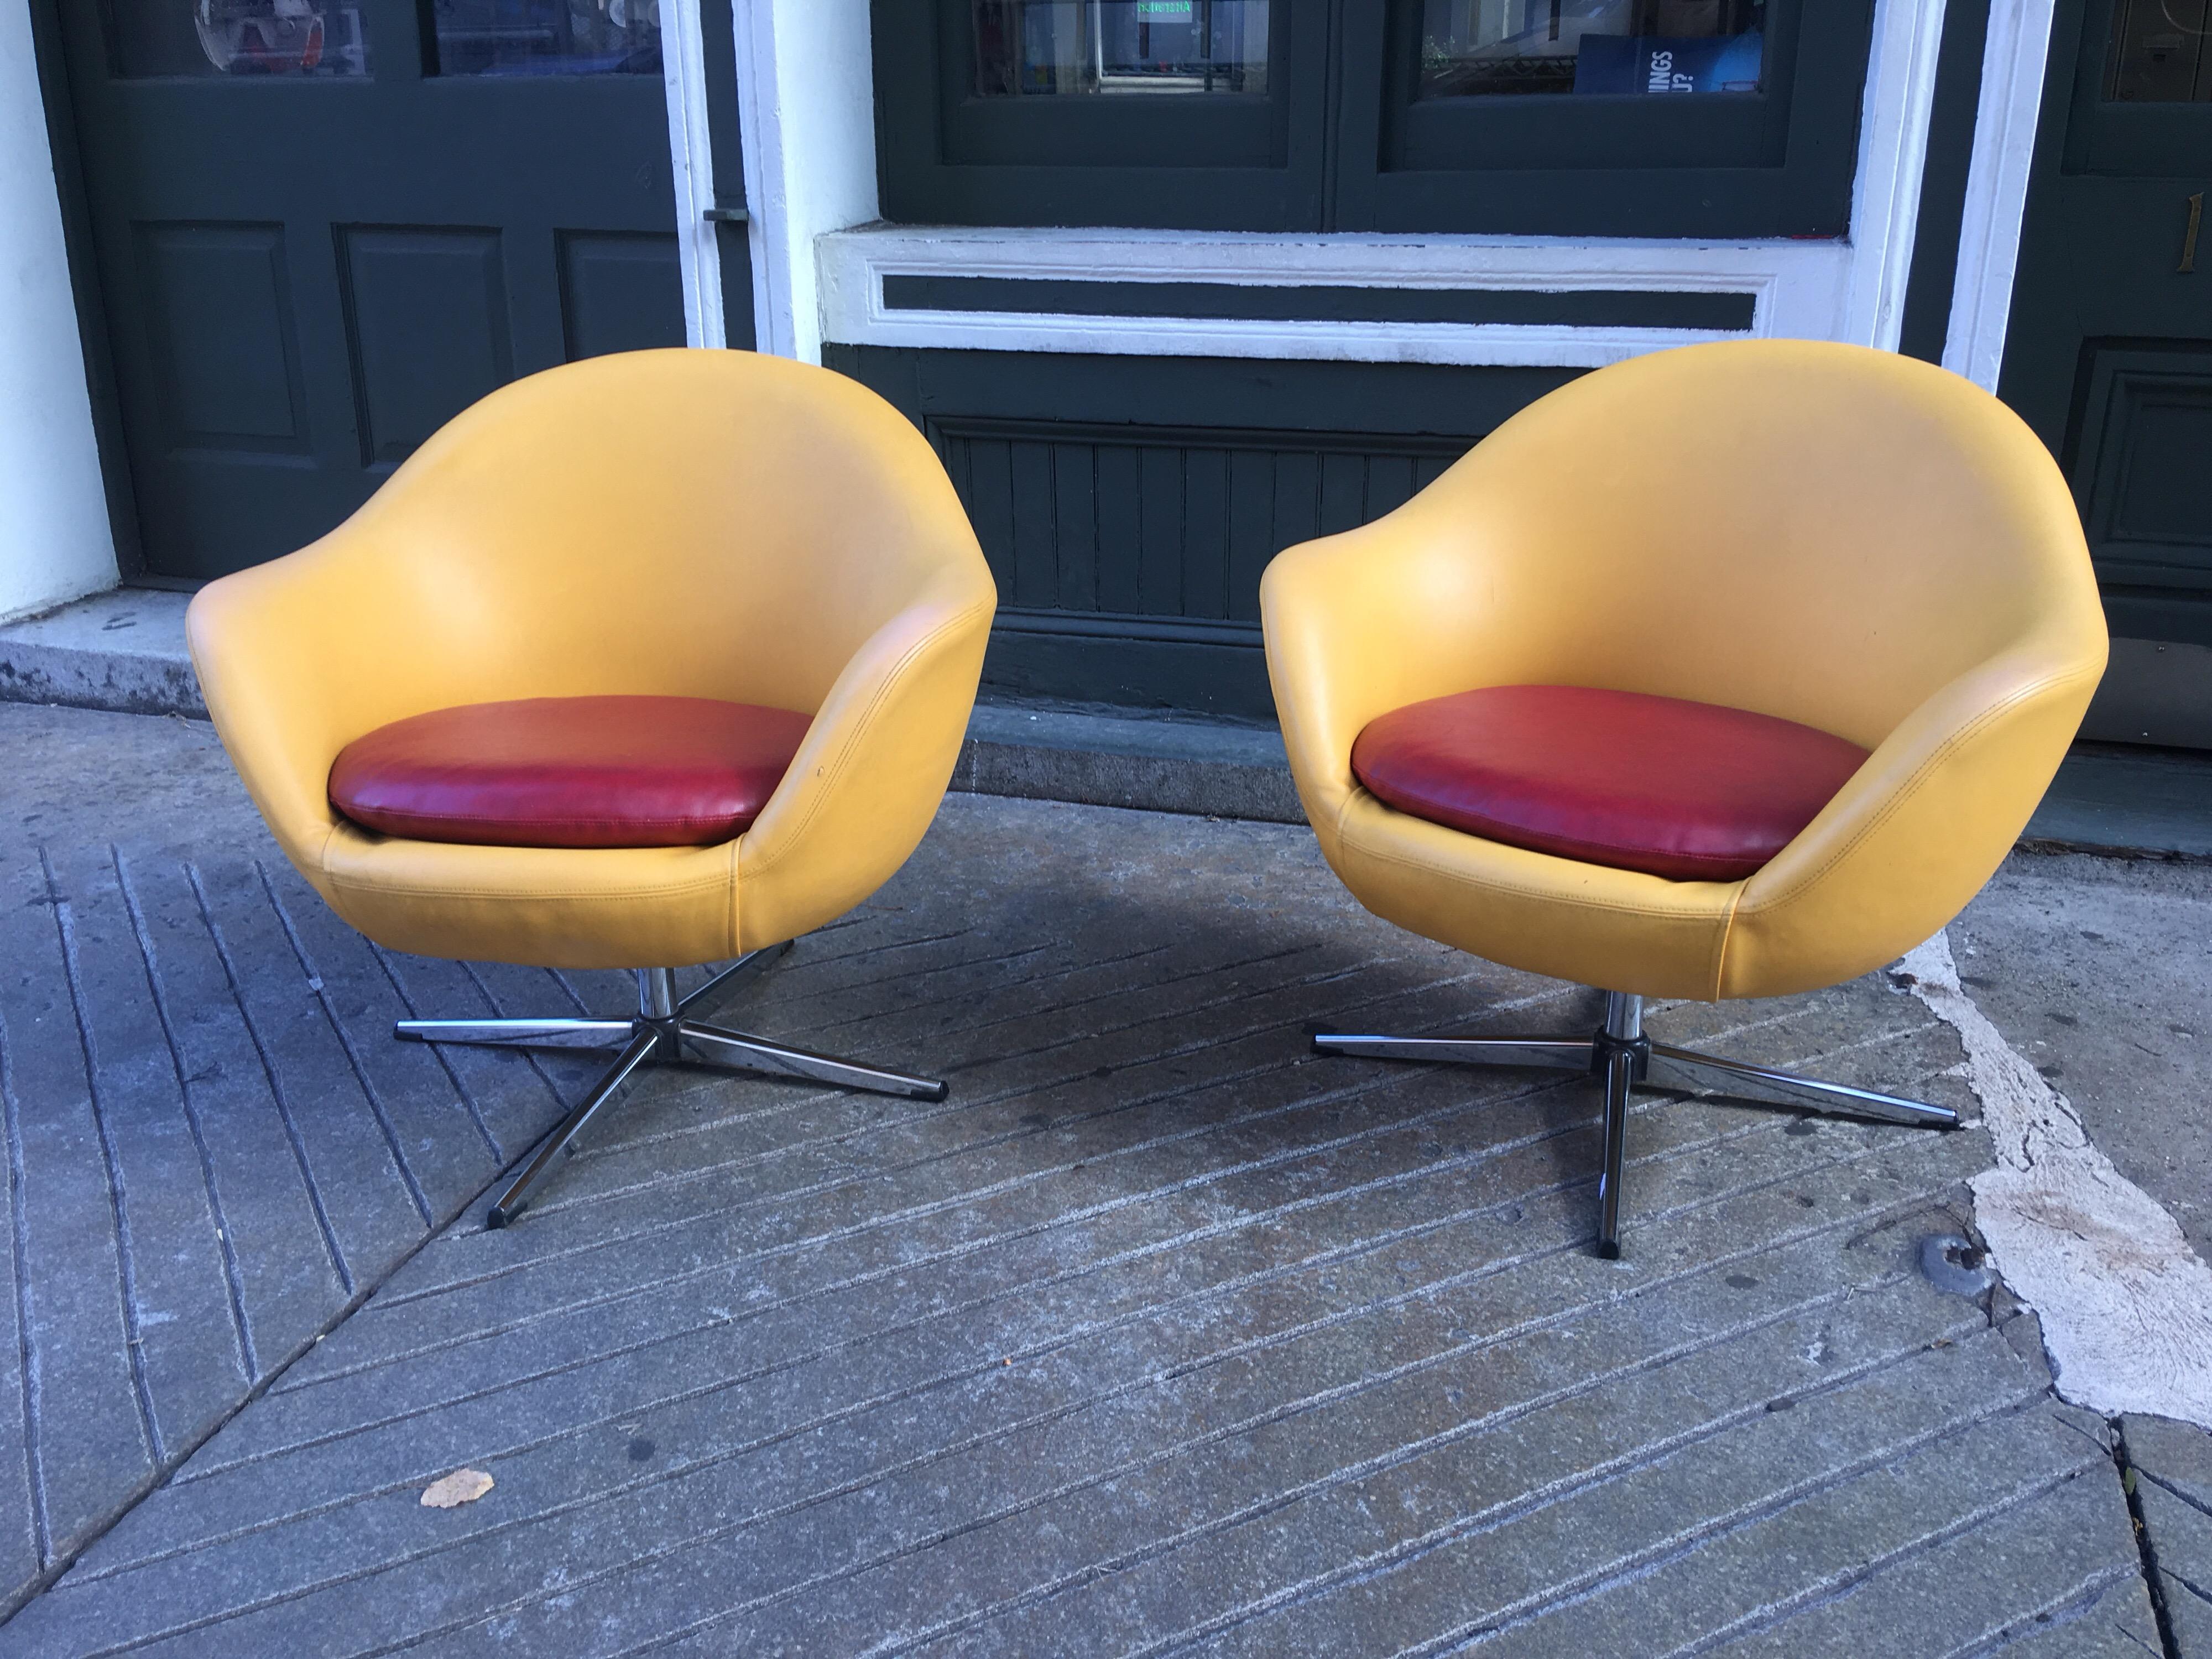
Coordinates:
[1138,419]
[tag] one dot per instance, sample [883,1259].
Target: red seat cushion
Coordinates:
[570,772]
[1690,791]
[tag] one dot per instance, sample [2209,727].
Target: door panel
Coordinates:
[619,292]
[2146,434]
[315,248]
[225,357]
[2109,354]
[426,331]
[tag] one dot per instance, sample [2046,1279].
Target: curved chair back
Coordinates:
[1820,533]
[1832,535]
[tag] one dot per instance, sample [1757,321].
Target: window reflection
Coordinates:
[1635,46]
[548,37]
[240,37]
[2162,52]
[1032,46]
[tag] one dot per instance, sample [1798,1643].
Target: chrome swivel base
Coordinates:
[1619,1052]
[657,1035]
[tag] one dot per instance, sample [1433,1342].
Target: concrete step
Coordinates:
[124,650]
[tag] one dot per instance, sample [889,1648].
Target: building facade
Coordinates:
[1171,284]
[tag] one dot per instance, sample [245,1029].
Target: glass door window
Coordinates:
[2161,52]
[161,39]
[1647,118]
[547,37]
[1063,47]
[1481,48]
[1192,113]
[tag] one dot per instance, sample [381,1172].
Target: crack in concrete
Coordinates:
[2125,1304]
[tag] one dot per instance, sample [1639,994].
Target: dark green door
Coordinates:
[324,227]
[2109,354]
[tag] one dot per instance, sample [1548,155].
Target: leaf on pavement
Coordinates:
[461,1486]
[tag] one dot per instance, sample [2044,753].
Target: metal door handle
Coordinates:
[2189,236]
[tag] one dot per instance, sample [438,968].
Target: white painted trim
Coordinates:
[2005,120]
[1849,290]
[807,117]
[56,541]
[753,25]
[1908,37]
[691,167]
[1793,285]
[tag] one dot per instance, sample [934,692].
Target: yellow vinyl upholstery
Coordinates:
[1835,536]
[703,524]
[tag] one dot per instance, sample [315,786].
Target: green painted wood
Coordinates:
[1128,506]
[2109,356]
[1944,179]
[305,275]
[1582,308]
[718,43]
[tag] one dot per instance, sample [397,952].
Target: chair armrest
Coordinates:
[298,657]
[1360,623]
[1920,827]
[869,778]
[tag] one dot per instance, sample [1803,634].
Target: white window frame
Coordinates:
[819,255]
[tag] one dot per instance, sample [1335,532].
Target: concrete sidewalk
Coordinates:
[1159,1335]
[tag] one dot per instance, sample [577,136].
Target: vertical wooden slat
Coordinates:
[1119,549]
[1205,533]
[1164,536]
[1251,528]
[988,475]
[1343,492]
[1297,498]
[1390,483]
[1075,525]
[1037,578]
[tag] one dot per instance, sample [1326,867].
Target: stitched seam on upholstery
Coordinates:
[1520,890]
[1719,858]
[1344,806]
[1728,936]
[617,895]
[730,880]
[835,772]
[564,823]
[1913,785]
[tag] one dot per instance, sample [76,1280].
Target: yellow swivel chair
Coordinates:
[655,659]
[1727,671]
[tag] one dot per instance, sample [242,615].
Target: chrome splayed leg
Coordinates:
[754,1054]
[1623,1057]
[741,972]
[1696,1073]
[1571,1054]
[562,1140]
[519,1033]
[657,1035]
